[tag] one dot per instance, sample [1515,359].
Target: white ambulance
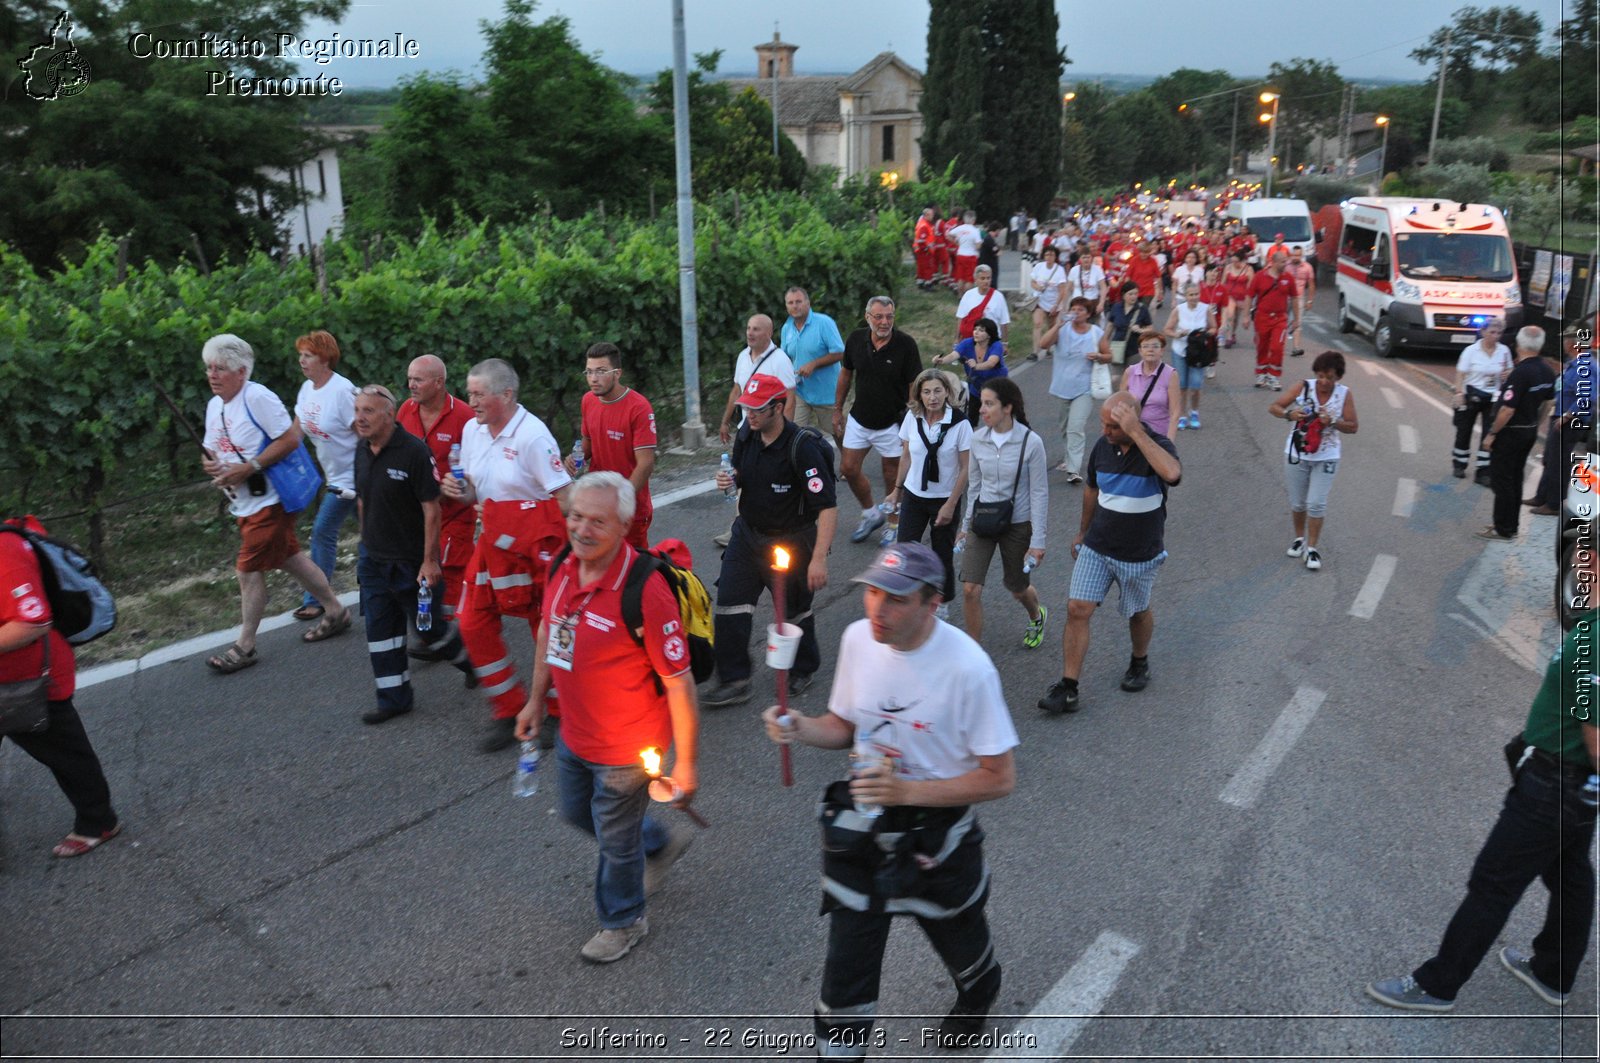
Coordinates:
[1424,272]
[1274,221]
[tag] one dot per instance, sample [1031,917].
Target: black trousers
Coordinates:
[1506,463]
[746,572]
[389,608]
[64,748]
[918,513]
[1479,410]
[1544,832]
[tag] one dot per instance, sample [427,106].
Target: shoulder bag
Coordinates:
[25,704]
[991,519]
[1100,382]
[294,476]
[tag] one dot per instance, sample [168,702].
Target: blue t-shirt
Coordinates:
[818,339]
[1130,516]
[977,377]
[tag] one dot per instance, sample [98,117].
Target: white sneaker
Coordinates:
[1313,558]
[891,533]
[609,946]
[1274,383]
[1296,548]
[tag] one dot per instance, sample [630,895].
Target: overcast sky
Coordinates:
[1364,38]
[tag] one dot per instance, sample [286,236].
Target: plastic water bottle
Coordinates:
[733,489]
[577,457]
[863,760]
[961,544]
[887,508]
[1590,794]
[424,607]
[1029,565]
[525,783]
[456,469]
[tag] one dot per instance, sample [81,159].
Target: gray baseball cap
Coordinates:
[900,568]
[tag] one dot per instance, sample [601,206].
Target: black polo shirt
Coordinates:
[883,377]
[393,484]
[775,496]
[1530,384]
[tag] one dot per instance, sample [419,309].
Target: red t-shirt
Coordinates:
[445,433]
[1144,271]
[22,599]
[613,431]
[1273,294]
[1213,294]
[611,709]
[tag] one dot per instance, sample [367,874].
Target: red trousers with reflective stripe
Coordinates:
[455,554]
[506,578]
[1270,329]
[924,264]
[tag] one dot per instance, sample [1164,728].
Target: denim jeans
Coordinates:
[1544,832]
[609,802]
[331,516]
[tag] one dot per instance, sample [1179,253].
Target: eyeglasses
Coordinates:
[596,374]
[377,389]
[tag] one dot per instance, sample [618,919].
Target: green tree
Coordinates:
[1312,92]
[942,85]
[435,148]
[1410,109]
[1484,43]
[143,150]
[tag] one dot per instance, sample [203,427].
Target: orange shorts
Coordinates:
[266,540]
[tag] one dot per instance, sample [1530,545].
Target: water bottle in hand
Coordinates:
[525,783]
[424,607]
[456,468]
[577,457]
[1029,565]
[732,491]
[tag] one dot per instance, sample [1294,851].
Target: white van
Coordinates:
[1424,272]
[1270,219]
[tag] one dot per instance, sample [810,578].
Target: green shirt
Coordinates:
[1568,698]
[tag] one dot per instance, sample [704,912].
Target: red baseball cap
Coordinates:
[760,390]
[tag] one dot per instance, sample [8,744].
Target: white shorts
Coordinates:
[886,441]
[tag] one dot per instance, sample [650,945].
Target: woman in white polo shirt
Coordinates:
[1480,371]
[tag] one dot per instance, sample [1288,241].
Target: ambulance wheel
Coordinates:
[1345,322]
[1383,338]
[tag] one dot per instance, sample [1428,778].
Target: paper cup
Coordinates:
[783,642]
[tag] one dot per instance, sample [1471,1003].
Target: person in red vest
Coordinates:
[922,247]
[515,475]
[439,419]
[618,427]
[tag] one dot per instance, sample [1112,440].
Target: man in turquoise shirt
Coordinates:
[812,342]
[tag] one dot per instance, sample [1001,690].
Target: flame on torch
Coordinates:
[652,762]
[780,559]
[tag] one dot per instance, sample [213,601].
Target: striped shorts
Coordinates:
[1093,574]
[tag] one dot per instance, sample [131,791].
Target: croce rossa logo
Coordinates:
[55,68]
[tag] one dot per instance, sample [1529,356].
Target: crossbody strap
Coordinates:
[1152,385]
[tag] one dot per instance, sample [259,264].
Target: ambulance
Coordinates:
[1423,273]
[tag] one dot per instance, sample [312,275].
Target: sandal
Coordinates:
[309,612]
[234,659]
[78,844]
[328,627]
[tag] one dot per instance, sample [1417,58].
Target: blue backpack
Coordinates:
[80,606]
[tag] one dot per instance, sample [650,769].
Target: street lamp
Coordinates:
[1383,154]
[1272,135]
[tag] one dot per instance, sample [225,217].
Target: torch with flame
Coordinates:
[662,787]
[780,569]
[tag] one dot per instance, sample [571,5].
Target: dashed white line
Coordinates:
[1244,789]
[1366,603]
[1408,439]
[1061,1014]
[1405,497]
[1378,370]
[1392,397]
[1372,369]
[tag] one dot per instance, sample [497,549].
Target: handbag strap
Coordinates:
[1152,385]
[244,400]
[1016,481]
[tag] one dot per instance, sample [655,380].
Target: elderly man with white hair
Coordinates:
[248,430]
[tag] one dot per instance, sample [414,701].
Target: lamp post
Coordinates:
[1066,98]
[1383,153]
[1272,135]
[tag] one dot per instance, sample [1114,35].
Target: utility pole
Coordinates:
[1233,134]
[694,429]
[1438,99]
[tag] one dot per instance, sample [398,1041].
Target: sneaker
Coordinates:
[1194,419]
[609,946]
[1483,479]
[1137,677]
[735,693]
[1261,381]
[1516,961]
[1298,352]
[1296,548]
[799,684]
[871,521]
[382,715]
[1274,383]
[942,611]
[1060,699]
[1180,424]
[891,533]
[1405,993]
[1313,558]
[1459,472]
[658,863]
[548,727]
[1035,633]
[1074,478]
[1211,372]
[1494,536]
[501,734]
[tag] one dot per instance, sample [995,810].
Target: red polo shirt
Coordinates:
[22,600]
[440,437]
[1273,294]
[611,709]
[1144,271]
[615,430]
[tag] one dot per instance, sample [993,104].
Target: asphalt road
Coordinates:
[1210,869]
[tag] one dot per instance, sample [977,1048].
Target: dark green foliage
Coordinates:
[1312,92]
[1410,107]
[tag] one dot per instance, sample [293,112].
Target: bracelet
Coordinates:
[256,465]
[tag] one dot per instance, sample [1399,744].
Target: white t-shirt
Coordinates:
[232,437]
[1084,281]
[327,416]
[1183,276]
[1051,277]
[996,311]
[777,363]
[521,463]
[1484,369]
[936,709]
[1330,449]
[957,438]
[967,238]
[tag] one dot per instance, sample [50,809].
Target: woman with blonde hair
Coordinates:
[936,441]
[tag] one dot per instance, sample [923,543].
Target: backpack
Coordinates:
[80,606]
[671,558]
[1201,350]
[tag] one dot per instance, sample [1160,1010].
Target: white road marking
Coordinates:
[1062,1014]
[1392,397]
[1371,367]
[1405,497]
[1244,789]
[1366,603]
[1409,386]
[1408,439]
[682,493]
